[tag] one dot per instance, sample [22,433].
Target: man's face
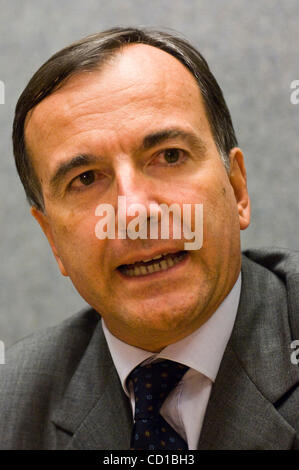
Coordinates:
[119,119]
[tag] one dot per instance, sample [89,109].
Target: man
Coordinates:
[138,114]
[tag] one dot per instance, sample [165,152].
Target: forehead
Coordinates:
[137,77]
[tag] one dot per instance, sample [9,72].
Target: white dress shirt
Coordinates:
[184,408]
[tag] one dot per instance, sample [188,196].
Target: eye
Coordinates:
[87,178]
[170,158]
[172,155]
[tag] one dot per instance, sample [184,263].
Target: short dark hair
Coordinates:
[88,54]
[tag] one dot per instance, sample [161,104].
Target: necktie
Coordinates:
[152,383]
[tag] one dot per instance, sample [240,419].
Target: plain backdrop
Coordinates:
[252,48]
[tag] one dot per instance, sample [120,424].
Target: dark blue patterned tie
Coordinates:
[152,383]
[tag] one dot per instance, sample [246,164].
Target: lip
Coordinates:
[159,274]
[149,255]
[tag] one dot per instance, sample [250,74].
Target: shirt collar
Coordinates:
[202,350]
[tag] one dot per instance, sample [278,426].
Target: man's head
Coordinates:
[91,53]
[142,124]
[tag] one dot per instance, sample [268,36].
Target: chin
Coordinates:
[175,320]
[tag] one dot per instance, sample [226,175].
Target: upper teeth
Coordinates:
[156,257]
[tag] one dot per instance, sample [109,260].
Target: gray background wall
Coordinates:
[252,47]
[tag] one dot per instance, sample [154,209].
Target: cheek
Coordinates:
[219,210]
[76,241]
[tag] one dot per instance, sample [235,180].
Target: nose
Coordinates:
[136,196]
[133,185]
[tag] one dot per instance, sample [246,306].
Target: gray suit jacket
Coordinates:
[59,388]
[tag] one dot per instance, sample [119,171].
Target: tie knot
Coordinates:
[152,383]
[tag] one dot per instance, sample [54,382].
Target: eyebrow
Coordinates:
[157,138]
[149,141]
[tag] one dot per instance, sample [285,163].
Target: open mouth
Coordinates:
[158,263]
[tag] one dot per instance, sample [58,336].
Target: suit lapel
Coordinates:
[239,416]
[108,425]
[255,371]
[94,412]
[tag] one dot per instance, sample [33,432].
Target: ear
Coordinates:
[43,221]
[238,180]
